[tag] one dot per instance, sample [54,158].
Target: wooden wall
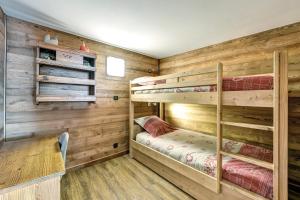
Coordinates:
[2,60]
[247,55]
[93,128]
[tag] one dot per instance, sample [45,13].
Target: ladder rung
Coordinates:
[245,125]
[243,191]
[254,161]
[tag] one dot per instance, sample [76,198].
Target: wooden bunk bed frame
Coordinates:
[195,182]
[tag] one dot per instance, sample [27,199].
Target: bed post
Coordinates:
[283,126]
[276,123]
[131,121]
[280,123]
[219,126]
[162,110]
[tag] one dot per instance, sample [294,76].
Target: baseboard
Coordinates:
[93,162]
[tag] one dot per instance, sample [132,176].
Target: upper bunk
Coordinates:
[205,85]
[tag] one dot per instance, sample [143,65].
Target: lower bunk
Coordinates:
[188,159]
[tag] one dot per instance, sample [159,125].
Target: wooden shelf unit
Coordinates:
[58,67]
[276,98]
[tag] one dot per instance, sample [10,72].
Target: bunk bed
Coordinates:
[208,86]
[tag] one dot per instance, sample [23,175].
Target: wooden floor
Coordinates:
[119,178]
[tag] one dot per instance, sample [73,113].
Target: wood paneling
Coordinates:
[244,56]
[93,128]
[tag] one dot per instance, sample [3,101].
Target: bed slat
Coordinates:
[253,161]
[243,191]
[252,126]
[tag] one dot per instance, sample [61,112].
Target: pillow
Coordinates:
[143,78]
[149,82]
[154,125]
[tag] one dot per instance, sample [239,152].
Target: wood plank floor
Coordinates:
[119,178]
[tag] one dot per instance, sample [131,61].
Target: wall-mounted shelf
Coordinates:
[66,49]
[64,64]
[61,70]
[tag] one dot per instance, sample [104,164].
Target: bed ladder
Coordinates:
[279,129]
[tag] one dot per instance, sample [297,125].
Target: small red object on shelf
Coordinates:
[84,48]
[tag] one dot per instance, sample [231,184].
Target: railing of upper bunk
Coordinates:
[276,99]
[254,98]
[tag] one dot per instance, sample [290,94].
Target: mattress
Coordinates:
[229,84]
[199,151]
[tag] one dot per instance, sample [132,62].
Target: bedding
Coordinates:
[148,82]
[229,84]
[199,151]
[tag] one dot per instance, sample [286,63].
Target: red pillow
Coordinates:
[154,125]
